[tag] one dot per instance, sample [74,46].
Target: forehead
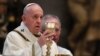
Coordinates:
[33,8]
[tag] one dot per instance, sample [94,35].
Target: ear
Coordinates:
[23,18]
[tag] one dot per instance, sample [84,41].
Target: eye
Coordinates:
[56,30]
[35,16]
[41,17]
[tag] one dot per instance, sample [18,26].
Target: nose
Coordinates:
[39,20]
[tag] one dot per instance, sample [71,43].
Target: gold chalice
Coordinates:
[51,27]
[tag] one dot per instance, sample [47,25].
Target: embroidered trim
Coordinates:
[21,35]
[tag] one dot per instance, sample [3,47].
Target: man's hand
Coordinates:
[45,36]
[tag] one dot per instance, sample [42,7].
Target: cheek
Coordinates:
[29,22]
[58,33]
[32,23]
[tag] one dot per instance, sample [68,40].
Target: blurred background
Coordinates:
[80,21]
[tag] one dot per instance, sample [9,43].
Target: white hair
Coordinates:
[49,17]
[28,5]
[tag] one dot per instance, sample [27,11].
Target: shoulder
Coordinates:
[14,37]
[64,51]
[12,34]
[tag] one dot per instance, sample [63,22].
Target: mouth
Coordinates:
[37,27]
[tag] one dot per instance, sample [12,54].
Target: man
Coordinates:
[57,30]
[24,41]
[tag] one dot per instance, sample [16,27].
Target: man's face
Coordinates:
[57,32]
[33,19]
[57,29]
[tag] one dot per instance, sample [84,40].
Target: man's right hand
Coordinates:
[44,37]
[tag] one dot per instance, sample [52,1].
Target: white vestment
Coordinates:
[16,45]
[55,49]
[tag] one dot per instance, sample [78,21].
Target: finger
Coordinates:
[46,32]
[51,35]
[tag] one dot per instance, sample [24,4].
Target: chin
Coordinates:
[36,30]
